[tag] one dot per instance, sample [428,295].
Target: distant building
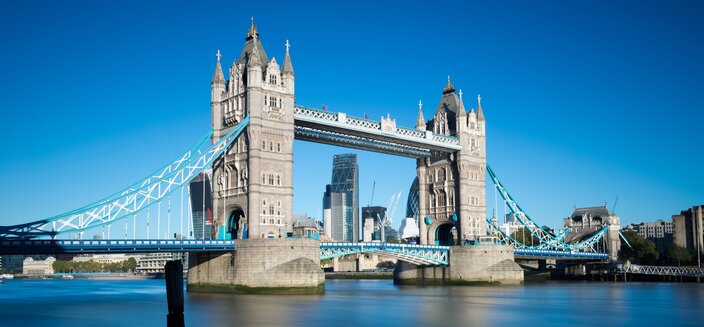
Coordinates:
[105,258]
[584,222]
[375,214]
[412,204]
[660,232]
[409,229]
[153,263]
[12,264]
[201,206]
[341,198]
[511,224]
[687,229]
[38,267]
[306,227]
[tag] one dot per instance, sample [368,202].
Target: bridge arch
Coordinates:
[445,234]
[235,225]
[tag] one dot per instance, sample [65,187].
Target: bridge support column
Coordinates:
[469,265]
[264,266]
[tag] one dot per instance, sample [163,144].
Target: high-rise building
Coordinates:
[377,214]
[341,198]
[201,206]
[688,229]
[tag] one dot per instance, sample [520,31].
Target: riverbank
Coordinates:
[84,276]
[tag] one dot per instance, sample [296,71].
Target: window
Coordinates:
[271,146]
[263,179]
[271,212]
[278,147]
[263,144]
[280,104]
[441,175]
[278,183]
[271,179]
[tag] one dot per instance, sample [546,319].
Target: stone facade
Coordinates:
[452,187]
[253,187]
[260,265]
[38,267]
[481,264]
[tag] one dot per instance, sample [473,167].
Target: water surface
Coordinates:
[356,303]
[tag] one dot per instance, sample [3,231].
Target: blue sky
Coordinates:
[585,100]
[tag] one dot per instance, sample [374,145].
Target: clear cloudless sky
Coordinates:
[585,100]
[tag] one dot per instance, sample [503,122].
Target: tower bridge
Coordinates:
[254,121]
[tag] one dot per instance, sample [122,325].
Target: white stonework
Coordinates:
[452,187]
[253,188]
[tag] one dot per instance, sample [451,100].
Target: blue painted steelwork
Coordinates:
[413,253]
[416,254]
[132,199]
[547,240]
[521,253]
[18,246]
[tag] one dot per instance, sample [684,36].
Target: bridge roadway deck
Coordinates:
[8,246]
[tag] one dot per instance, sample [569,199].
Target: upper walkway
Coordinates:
[336,128]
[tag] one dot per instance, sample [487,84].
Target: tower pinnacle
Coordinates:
[480,112]
[218,76]
[448,87]
[420,121]
[287,67]
[252,29]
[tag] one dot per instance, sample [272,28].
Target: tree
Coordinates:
[524,236]
[641,251]
[386,264]
[678,255]
[130,264]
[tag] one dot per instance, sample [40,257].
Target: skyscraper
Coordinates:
[342,198]
[201,206]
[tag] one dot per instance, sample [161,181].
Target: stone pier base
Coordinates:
[265,266]
[469,265]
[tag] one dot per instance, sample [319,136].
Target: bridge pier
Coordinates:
[477,264]
[262,266]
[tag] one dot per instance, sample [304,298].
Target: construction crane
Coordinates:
[613,209]
[388,215]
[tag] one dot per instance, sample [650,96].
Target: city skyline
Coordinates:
[107,99]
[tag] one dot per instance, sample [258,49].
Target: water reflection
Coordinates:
[356,303]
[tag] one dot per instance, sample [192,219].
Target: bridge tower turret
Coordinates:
[217,88]
[252,184]
[451,187]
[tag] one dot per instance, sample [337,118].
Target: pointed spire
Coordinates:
[218,76]
[480,112]
[287,68]
[420,122]
[252,32]
[460,110]
[448,87]
[254,59]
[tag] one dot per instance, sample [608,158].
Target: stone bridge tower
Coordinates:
[452,187]
[252,184]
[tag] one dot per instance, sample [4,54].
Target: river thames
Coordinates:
[356,303]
